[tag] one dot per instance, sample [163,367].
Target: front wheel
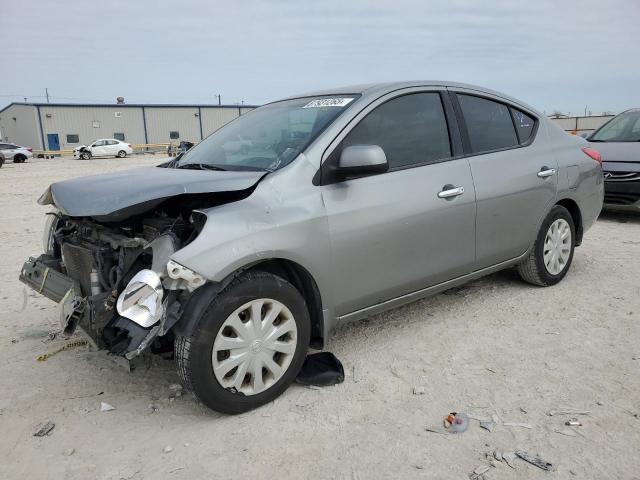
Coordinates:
[122,154]
[85,155]
[248,345]
[552,253]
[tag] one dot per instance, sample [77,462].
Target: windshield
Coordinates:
[623,128]
[266,138]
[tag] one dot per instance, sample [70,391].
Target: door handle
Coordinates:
[546,172]
[450,191]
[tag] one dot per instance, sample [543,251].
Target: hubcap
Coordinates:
[557,246]
[255,346]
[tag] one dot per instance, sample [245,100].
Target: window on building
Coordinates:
[524,124]
[73,138]
[174,135]
[411,130]
[489,124]
[119,136]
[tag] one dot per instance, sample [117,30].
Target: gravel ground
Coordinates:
[496,347]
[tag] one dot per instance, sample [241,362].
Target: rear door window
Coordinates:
[411,130]
[524,124]
[489,124]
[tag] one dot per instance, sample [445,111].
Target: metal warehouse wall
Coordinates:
[582,124]
[91,123]
[19,124]
[214,118]
[163,120]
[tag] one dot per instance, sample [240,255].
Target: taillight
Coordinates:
[594,154]
[129,145]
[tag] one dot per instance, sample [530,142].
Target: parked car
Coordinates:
[384,194]
[107,147]
[618,141]
[11,151]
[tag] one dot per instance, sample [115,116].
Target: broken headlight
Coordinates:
[141,300]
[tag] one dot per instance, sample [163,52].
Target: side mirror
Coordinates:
[362,160]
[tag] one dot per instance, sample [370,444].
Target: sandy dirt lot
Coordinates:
[496,347]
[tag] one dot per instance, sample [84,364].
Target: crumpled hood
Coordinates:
[618,151]
[107,194]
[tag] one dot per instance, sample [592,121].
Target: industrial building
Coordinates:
[64,126]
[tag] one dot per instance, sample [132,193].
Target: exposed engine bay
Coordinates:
[112,274]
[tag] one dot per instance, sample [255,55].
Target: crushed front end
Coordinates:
[115,281]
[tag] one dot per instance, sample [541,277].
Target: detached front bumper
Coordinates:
[95,315]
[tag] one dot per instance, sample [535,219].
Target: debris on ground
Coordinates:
[68,346]
[456,422]
[478,473]
[574,422]
[419,390]
[567,411]
[167,449]
[321,369]
[487,425]
[534,460]
[44,429]
[518,424]
[69,451]
[106,407]
[509,458]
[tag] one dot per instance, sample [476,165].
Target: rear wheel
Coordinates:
[1,161]
[248,345]
[19,158]
[552,253]
[122,154]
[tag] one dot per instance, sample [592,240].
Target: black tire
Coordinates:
[122,154]
[85,156]
[533,269]
[19,159]
[1,161]
[193,353]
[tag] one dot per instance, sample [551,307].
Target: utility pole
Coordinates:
[46,90]
[219,98]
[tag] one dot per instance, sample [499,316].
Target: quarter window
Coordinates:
[489,124]
[73,138]
[524,125]
[411,130]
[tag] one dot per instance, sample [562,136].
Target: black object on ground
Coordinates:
[321,369]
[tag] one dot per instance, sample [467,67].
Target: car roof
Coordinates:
[375,90]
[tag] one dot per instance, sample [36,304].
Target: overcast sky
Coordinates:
[553,54]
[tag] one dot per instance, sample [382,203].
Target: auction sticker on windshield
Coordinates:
[328,102]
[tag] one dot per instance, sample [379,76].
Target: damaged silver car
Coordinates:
[340,205]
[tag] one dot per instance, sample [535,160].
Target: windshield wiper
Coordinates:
[201,166]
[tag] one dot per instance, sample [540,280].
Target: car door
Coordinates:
[514,175]
[396,233]
[98,148]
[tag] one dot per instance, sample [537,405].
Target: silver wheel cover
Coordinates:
[254,346]
[557,246]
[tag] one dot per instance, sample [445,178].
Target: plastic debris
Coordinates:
[509,458]
[456,422]
[419,390]
[487,425]
[106,407]
[321,369]
[167,449]
[68,346]
[44,429]
[534,460]
[69,451]
[574,422]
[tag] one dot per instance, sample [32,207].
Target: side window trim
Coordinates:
[462,126]
[455,142]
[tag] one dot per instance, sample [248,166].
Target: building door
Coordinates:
[53,141]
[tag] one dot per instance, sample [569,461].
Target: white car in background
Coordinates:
[11,151]
[106,147]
